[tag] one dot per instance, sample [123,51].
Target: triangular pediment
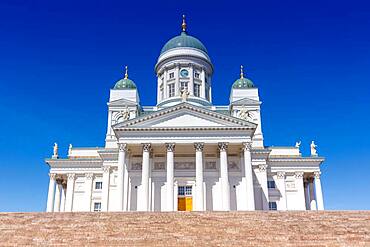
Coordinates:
[246,101]
[122,102]
[184,115]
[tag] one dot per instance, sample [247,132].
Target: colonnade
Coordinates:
[61,187]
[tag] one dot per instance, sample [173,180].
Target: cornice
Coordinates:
[297,159]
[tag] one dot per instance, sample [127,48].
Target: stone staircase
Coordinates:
[325,228]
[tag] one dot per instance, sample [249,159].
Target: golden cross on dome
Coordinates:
[126,72]
[241,72]
[183,25]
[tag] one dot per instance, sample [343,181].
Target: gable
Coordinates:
[186,120]
[184,115]
[246,101]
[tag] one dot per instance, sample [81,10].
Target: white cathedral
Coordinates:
[184,153]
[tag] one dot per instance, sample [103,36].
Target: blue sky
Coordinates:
[58,60]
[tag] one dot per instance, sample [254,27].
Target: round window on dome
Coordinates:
[184,73]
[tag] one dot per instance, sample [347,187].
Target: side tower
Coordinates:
[124,104]
[245,103]
[184,66]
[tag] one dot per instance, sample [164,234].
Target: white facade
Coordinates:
[184,153]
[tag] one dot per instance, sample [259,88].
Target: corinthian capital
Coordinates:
[106,169]
[71,176]
[89,176]
[247,146]
[122,147]
[262,167]
[222,146]
[199,146]
[280,175]
[52,175]
[170,147]
[147,147]
[299,174]
[317,174]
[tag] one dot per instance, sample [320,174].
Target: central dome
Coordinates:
[184,40]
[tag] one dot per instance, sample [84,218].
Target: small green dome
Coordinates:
[243,83]
[125,84]
[184,40]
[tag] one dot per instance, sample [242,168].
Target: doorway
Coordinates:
[185,198]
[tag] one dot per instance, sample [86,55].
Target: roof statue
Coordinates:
[55,150]
[184,95]
[298,144]
[313,149]
[125,114]
[69,150]
[245,114]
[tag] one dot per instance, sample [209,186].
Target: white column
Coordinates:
[165,89]
[125,185]
[70,191]
[262,178]
[191,82]
[144,202]
[319,197]
[63,199]
[51,192]
[177,82]
[122,148]
[280,184]
[57,195]
[105,189]
[247,146]
[301,205]
[203,87]
[312,195]
[170,176]
[199,191]
[224,176]
[306,193]
[88,190]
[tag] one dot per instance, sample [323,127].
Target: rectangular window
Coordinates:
[196,90]
[272,206]
[97,206]
[271,184]
[188,190]
[181,191]
[183,85]
[171,90]
[172,75]
[197,75]
[98,185]
[207,93]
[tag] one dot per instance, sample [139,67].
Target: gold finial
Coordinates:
[183,25]
[126,72]
[241,72]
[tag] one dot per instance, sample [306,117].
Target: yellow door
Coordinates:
[189,203]
[181,204]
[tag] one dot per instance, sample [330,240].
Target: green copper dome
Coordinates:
[184,40]
[243,83]
[125,84]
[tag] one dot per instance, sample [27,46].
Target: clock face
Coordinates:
[184,73]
